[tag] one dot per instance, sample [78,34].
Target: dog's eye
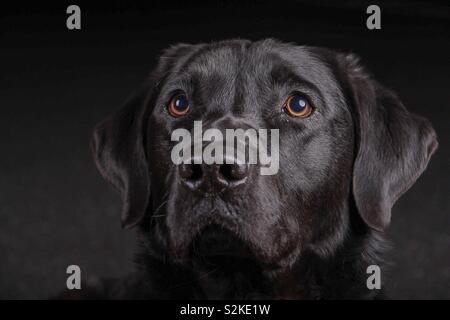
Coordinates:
[298,106]
[178,105]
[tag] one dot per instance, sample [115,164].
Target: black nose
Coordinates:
[213,178]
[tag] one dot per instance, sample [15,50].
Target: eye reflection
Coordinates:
[298,106]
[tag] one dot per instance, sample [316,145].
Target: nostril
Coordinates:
[192,172]
[233,172]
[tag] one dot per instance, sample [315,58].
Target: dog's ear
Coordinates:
[393,146]
[118,141]
[118,149]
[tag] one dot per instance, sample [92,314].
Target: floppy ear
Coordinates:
[393,146]
[118,149]
[118,141]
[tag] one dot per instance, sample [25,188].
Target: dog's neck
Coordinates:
[339,275]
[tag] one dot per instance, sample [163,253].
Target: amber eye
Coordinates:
[178,105]
[298,106]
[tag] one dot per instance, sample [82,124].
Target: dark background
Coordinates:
[55,84]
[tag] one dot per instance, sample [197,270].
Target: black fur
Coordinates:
[308,232]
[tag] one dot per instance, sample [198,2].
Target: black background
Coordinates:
[55,210]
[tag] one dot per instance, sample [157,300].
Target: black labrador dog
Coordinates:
[348,149]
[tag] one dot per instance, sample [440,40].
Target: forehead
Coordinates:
[267,62]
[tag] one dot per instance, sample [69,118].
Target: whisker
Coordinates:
[158,216]
[164,202]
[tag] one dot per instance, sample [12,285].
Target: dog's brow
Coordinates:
[283,75]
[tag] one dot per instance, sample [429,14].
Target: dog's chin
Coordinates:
[218,246]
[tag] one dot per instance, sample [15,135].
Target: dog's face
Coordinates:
[343,139]
[238,86]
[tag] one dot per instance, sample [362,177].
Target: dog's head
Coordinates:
[344,140]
